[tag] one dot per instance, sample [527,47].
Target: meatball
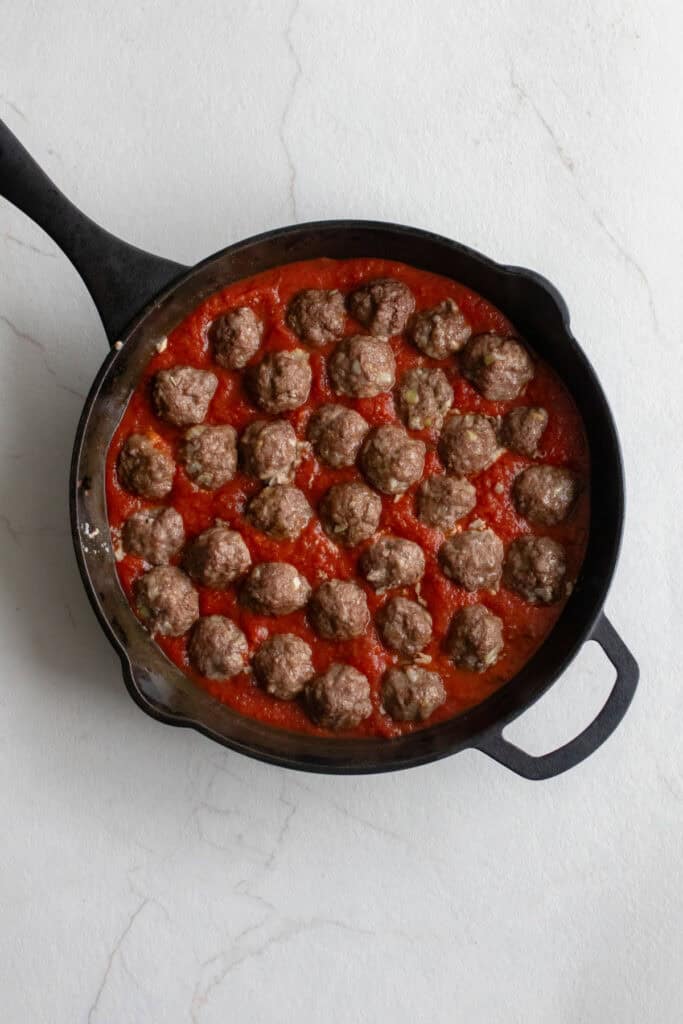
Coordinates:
[424,398]
[166,601]
[467,444]
[280,510]
[269,451]
[440,331]
[338,610]
[404,626]
[217,557]
[217,648]
[236,337]
[362,367]
[475,638]
[282,665]
[393,562]
[144,469]
[317,316]
[336,434]
[155,534]
[473,559]
[535,568]
[412,694]
[209,455]
[182,395]
[499,368]
[350,513]
[339,698]
[281,381]
[522,429]
[545,495]
[275,588]
[443,500]
[391,460]
[383,306]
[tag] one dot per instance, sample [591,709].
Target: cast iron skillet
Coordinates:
[141,297]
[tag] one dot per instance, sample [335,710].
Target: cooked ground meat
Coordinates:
[392,562]
[281,381]
[383,306]
[522,428]
[236,337]
[269,451]
[475,638]
[443,500]
[155,534]
[499,368]
[336,434]
[535,568]
[217,557]
[350,513]
[209,455]
[280,511]
[182,394]
[412,694]
[338,610]
[362,367]
[545,495]
[473,559]
[339,698]
[166,601]
[424,397]
[217,648]
[144,469]
[317,316]
[404,626]
[283,666]
[440,331]
[275,588]
[391,460]
[467,444]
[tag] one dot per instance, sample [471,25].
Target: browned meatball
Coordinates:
[275,588]
[217,557]
[499,368]
[393,562]
[424,397]
[404,626]
[473,559]
[383,306]
[166,601]
[545,495]
[467,444]
[269,451]
[350,513]
[236,337]
[182,394]
[440,331]
[336,434]
[317,316]
[339,698]
[443,500]
[144,469]
[155,534]
[281,381]
[209,455]
[217,648]
[338,610]
[283,666]
[522,429]
[280,511]
[362,367]
[535,568]
[391,460]
[412,694]
[475,638]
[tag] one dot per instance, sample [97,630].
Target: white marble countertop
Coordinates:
[147,875]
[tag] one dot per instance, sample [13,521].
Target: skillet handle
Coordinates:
[121,279]
[593,736]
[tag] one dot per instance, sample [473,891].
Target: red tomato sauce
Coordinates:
[313,553]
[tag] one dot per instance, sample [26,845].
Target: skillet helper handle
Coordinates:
[121,279]
[593,736]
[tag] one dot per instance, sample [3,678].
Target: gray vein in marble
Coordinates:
[110,959]
[7,523]
[27,245]
[9,103]
[298,71]
[40,348]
